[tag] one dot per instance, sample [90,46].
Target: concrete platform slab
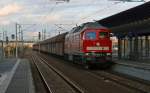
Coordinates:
[136,69]
[17,78]
[7,65]
[144,64]
[22,81]
[7,69]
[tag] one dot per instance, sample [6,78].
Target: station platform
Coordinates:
[15,76]
[143,64]
[138,69]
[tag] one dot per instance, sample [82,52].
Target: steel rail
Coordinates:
[41,75]
[65,78]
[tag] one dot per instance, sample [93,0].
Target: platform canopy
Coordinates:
[135,20]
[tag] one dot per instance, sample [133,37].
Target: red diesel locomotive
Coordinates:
[88,44]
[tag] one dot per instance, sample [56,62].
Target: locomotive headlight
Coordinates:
[108,54]
[86,54]
[97,44]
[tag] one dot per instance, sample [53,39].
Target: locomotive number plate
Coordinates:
[97,48]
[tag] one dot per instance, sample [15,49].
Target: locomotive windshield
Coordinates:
[90,35]
[103,34]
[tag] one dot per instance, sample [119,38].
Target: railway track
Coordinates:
[66,85]
[48,89]
[109,77]
[118,80]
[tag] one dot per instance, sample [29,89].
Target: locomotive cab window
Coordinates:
[90,35]
[103,35]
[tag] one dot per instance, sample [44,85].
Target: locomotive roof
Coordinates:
[87,25]
[92,24]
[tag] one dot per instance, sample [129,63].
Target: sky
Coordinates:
[35,15]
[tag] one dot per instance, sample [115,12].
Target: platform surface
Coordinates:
[143,64]
[16,76]
[138,69]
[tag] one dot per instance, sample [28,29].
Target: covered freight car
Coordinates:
[54,45]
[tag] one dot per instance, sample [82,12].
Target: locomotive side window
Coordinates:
[103,34]
[90,35]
